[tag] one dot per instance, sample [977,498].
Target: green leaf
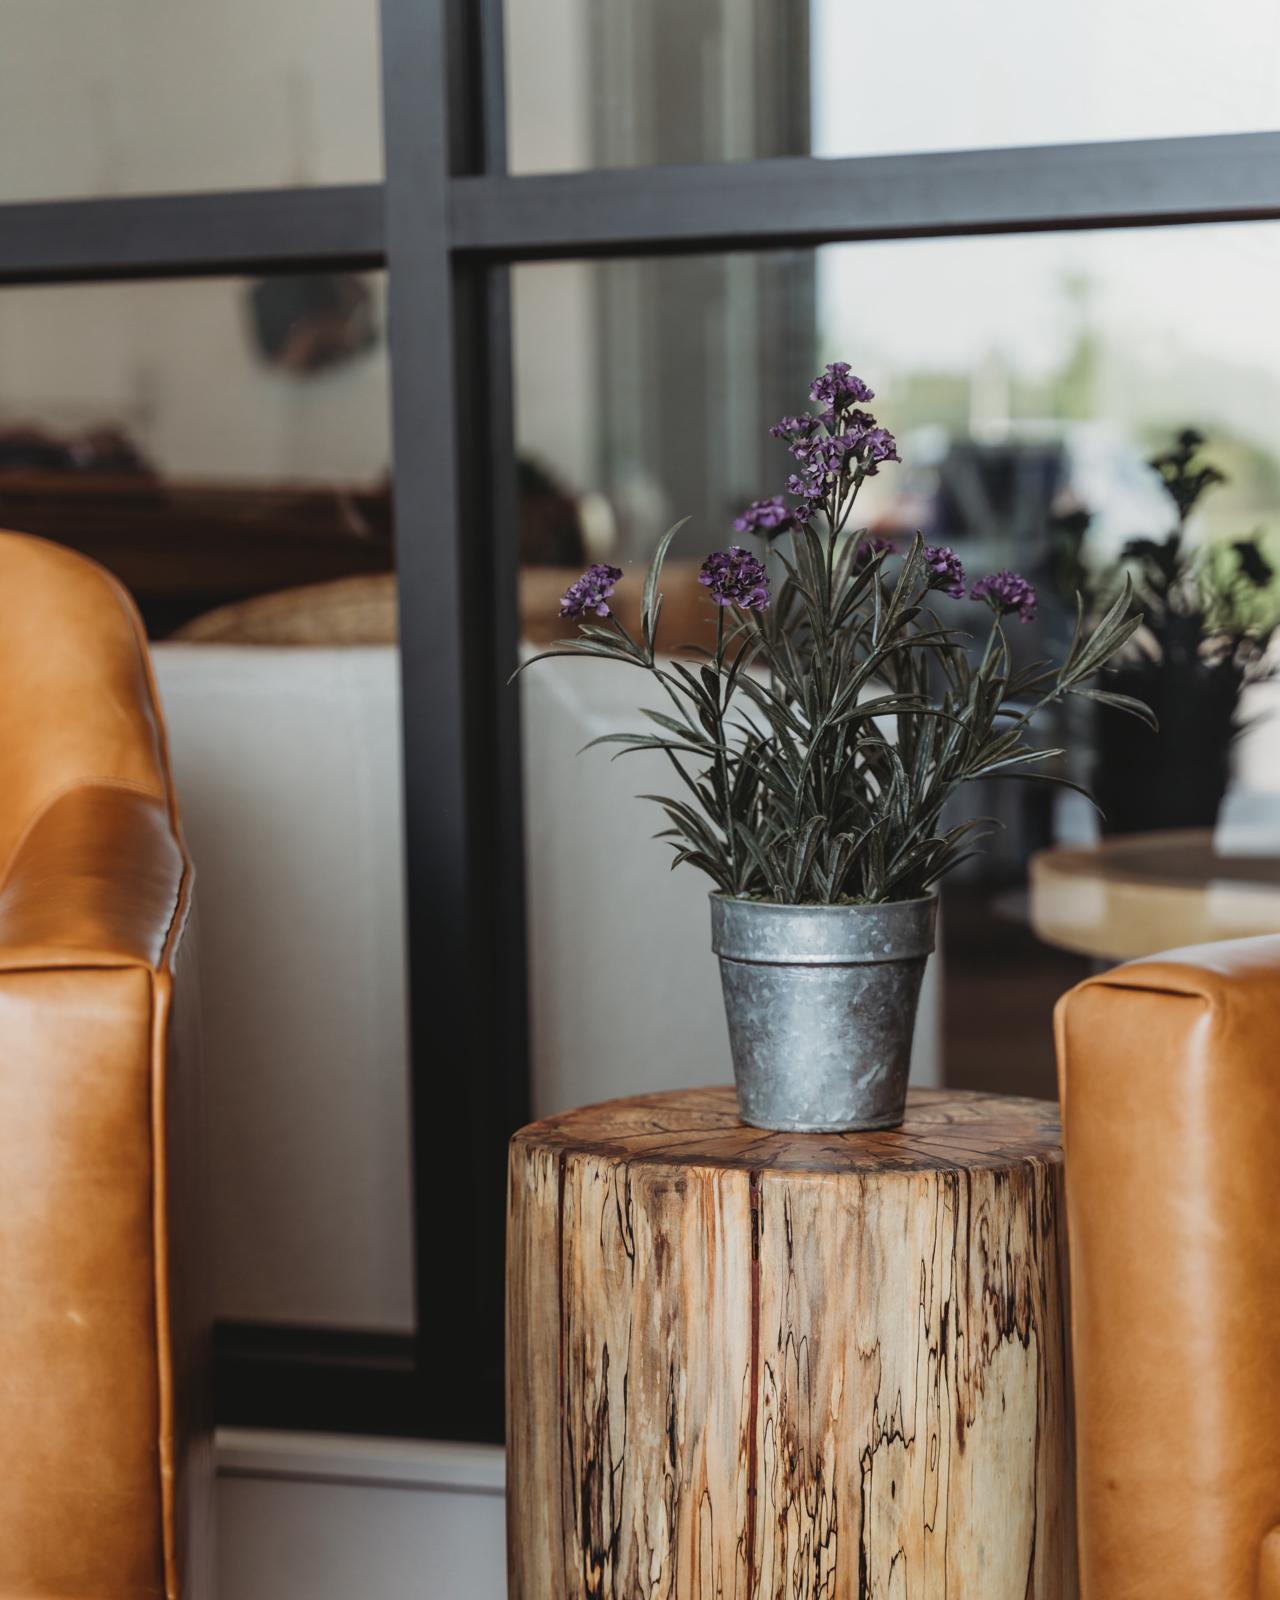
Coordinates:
[1050,777]
[581,647]
[648,614]
[636,742]
[1122,702]
[691,824]
[803,848]
[1022,758]
[756,851]
[682,730]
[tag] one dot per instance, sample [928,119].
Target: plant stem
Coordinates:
[722,759]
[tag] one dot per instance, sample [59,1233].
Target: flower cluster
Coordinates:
[833,451]
[1007,593]
[794,427]
[839,386]
[765,516]
[591,592]
[877,445]
[944,570]
[734,577]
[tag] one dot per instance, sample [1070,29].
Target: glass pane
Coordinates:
[602,83]
[1025,378]
[207,441]
[223,447]
[159,96]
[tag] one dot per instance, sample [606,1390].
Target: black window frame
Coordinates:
[447,223]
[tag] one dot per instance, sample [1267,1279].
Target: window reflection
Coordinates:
[600,83]
[137,97]
[207,441]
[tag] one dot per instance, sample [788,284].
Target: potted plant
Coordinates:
[1209,616]
[813,746]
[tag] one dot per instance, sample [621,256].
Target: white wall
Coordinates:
[323,1517]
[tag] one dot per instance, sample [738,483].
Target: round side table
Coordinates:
[746,1365]
[1141,893]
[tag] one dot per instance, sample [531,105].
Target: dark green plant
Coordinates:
[1211,600]
[818,743]
[1210,611]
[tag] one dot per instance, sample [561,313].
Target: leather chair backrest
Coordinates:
[1169,1073]
[105,1458]
[75,691]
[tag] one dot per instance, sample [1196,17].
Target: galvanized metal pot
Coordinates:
[821,1002]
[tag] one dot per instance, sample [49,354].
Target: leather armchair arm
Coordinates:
[95,881]
[1169,1073]
[107,1486]
[102,1325]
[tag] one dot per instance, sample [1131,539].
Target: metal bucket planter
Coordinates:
[821,1002]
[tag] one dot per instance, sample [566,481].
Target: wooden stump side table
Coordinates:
[748,1365]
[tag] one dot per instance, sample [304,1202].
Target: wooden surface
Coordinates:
[1144,893]
[746,1365]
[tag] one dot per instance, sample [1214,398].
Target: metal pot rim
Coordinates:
[809,909]
[760,931]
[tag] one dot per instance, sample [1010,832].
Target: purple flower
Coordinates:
[875,446]
[764,516]
[591,592]
[868,549]
[839,386]
[826,460]
[805,486]
[944,570]
[794,427]
[823,461]
[735,578]
[1005,593]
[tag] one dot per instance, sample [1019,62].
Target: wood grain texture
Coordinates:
[759,1366]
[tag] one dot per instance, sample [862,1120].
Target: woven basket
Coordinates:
[362,611]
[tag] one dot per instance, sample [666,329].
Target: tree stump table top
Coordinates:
[745,1364]
[944,1129]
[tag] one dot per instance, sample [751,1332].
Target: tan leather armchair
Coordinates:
[1169,1072]
[105,1482]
